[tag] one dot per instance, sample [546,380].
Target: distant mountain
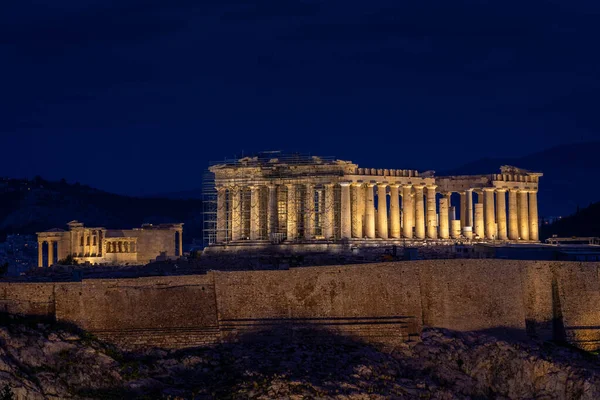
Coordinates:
[584,223]
[570,175]
[29,206]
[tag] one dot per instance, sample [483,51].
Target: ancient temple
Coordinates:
[98,245]
[310,199]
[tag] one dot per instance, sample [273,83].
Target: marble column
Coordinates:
[221,215]
[469,208]
[254,213]
[407,211]
[40,254]
[50,253]
[455,229]
[382,216]
[292,212]
[431,212]
[346,207]
[369,211]
[309,211]
[451,209]
[180,243]
[236,212]
[533,216]
[490,217]
[444,221]
[463,209]
[419,212]
[523,215]
[272,214]
[355,194]
[513,215]
[394,211]
[328,220]
[501,213]
[479,226]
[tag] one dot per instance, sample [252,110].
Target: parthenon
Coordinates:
[306,199]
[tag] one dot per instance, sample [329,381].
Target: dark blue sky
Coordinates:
[137,96]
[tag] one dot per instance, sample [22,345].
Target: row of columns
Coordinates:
[120,246]
[50,250]
[417,217]
[84,242]
[491,221]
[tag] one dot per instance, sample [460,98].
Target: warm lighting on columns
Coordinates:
[533,216]
[369,211]
[501,213]
[292,212]
[431,212]
[221,215]
[394,211]
[346,220]
[419,212]
[407,211]
[382,217]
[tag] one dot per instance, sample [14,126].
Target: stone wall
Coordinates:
[384,302]
[166,311]
[34,299]
[469,295]
[380,304]
[151,242]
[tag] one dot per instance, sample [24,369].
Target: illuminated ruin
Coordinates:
[109,246]
[300,199]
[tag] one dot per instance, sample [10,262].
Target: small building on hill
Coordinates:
[109,246]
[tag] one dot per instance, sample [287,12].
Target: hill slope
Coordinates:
[42,360]
[584,223]
[32,206]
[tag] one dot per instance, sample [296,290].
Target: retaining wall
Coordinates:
[384,302]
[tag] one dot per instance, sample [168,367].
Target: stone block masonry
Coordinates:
[380,303]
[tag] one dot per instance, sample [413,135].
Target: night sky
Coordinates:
[136,97]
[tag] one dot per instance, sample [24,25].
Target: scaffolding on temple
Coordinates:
[311,213]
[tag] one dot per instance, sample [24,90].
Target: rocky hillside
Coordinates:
[41,361]
[27,206]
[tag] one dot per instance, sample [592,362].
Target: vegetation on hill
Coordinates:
[29,206]
[584,223]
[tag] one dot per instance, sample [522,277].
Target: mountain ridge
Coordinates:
[29,206]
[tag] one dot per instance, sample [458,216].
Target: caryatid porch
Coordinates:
[339,201]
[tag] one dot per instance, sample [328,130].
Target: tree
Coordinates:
[68,260]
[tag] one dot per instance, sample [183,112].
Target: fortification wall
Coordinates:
[577,303]
[472,295]
[165,311]
[151,242]
[35,299]
[379,303]
[384,302]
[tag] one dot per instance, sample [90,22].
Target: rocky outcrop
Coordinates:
[40,361]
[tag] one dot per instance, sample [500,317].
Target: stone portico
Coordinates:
[314,200]
[109,246]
